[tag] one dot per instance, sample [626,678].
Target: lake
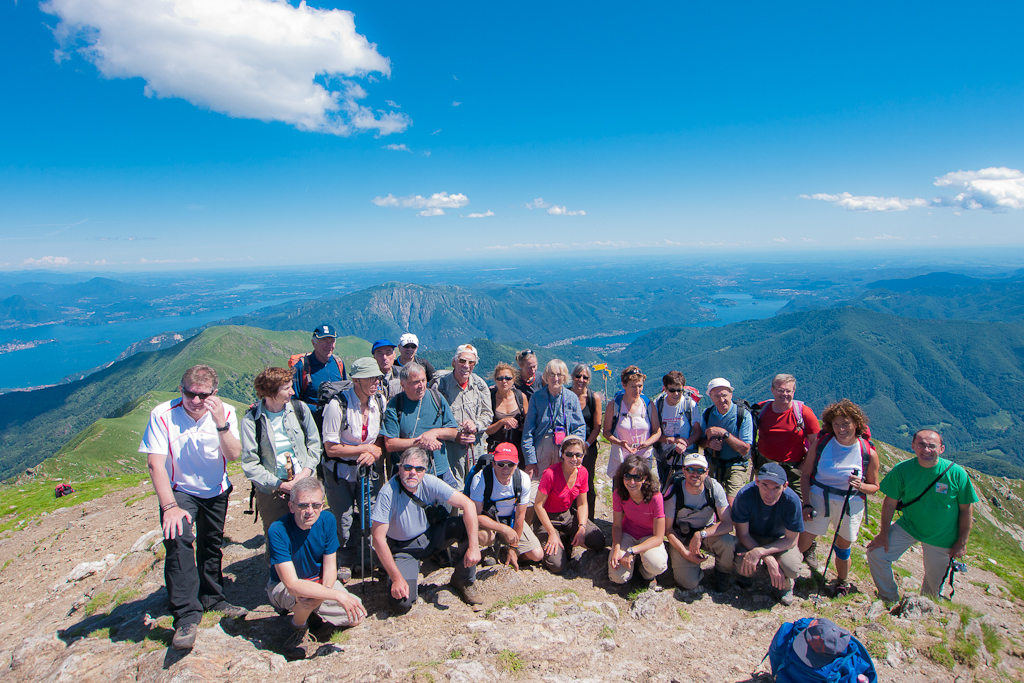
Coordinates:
[746,308]
[88,346]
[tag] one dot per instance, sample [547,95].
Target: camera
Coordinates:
[958,566]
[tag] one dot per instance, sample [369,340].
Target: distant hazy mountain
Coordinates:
[19,309]
[965,378]
[445,316]
[34,425]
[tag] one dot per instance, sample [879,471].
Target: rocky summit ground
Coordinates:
[82,598]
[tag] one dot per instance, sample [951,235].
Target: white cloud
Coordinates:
[537,203]
[48,261]
[562,211]
[258,59]
[436,131]
[169,260]
[438,200]
[886,237]
[392,103]
[480,215]
[431,212]
[868,202]
[426,154]
[456,104]
[995,189]
[779,239]
[398,148]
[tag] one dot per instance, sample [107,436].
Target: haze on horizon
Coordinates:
[147,136]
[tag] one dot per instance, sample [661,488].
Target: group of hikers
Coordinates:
[433,462]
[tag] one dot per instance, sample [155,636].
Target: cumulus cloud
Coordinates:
[562,211]
[431,212]
[48,261]
[256,59]
[868,202]
[995,189]
[488,214]
[398,148]
[438,200]
[393,104]
[537,203]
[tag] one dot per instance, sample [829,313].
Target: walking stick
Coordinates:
[364,522]
[839,525]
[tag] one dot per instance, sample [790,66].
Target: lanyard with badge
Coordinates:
[558,433]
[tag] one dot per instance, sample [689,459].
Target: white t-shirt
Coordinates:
[503,495]
[194,462]
[283,448]
[692,509]
[353,434]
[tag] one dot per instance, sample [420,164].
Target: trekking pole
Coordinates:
[364,522]
[839,525]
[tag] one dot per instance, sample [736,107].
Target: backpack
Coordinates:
[302,360]
[485,465]
[618,408]
[676,487]
[787,667]
[335,391]
[742,408]
[61,490]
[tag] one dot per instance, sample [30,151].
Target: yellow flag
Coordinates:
[601,366]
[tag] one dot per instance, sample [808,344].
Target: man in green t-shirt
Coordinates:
[937,497]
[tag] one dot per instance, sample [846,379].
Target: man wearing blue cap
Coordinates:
[766,514]
[316,367]
[383,351]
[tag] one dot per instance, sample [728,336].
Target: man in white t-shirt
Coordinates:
[188,442]
[500,511]
[680,424]
[352,448]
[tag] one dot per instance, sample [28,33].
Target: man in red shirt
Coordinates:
[787,430]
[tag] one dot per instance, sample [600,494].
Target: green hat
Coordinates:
[365,368]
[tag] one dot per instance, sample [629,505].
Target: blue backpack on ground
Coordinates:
[788,667]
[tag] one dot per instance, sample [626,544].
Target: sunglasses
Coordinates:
[674,391]
[581,376]
[466,361]
[633,477]
[309,506]
[695,470]
[572,454]
[410,346]
[420,469]
[191,394]
[505,463]
[524,353]
[503,379]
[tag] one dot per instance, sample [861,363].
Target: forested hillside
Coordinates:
[963,378]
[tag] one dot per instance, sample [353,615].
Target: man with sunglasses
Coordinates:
[680,424]
[500,511]
[408,345]
[410,523]
[304,568]
[698,515]
[470,401]
[188,442]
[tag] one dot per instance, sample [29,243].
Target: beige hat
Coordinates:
[718,382]
[365,368]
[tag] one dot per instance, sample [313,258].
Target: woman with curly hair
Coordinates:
[843,462]
[638,528]
[630,423]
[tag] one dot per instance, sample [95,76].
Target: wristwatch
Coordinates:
[703,534]
[225,428]
[630,551]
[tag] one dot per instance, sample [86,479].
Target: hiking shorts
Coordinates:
[527,542]
[329,610]
[819,526]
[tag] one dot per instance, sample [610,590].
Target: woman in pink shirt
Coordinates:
[638,527]
[561,504]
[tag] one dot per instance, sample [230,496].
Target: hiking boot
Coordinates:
[841,588]
[468,591]
[811,556]
[786,597]
[719,581]
[185,637]
[231,611]
[344,574]
[301,644]
[744,581]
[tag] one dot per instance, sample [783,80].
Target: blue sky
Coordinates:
[266,133]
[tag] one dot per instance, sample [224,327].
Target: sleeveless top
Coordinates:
[632,428]
[837,464]
[513,436]
[587,405]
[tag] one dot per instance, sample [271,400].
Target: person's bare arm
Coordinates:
[965,522]
[230,446]
[881,539]
[174,517]
[304,588]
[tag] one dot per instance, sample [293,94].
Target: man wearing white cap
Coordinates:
[408,344]
[696,508]
[470,400]
[728,432]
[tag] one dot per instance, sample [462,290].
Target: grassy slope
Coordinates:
[34,425]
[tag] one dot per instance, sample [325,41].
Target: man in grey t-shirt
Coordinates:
[699,521]
[404,534]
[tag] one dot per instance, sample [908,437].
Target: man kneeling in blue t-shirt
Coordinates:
[303,550]
[768,522]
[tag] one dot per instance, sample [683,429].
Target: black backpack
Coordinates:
[335,391]
[485,466]
[677,490]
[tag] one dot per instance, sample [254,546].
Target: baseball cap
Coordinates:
[820,643]
[695,459]
[772,471]
[506,451]
[381,343]
[365,368]
[467,348]
[324,331]
[718,382]
[409,338]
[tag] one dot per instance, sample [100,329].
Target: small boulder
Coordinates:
[914,607]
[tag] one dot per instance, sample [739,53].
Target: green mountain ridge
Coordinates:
[35,425]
